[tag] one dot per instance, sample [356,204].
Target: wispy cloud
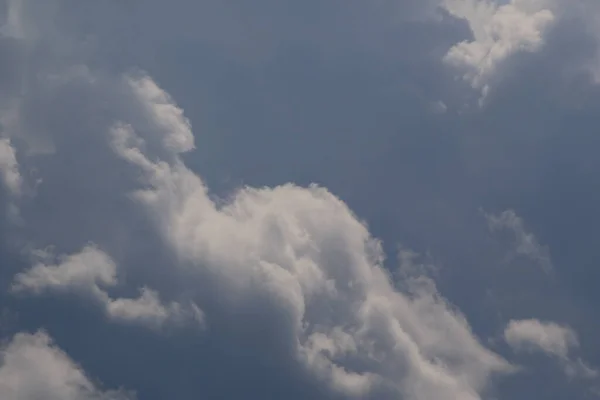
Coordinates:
[555,340]
[524,242]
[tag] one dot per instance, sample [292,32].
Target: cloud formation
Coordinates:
[293,286]
[9,167]
[499,31]
[524,243]
[87,273]
[548,337]
[302,254]
[32,367]
[297,257]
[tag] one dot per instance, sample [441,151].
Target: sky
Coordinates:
[317,199]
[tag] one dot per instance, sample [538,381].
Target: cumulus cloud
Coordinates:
[87,273]
[499,31]
[525,243]
[548,337]
[304,254]
[33,367]
[291,263]
[296,258]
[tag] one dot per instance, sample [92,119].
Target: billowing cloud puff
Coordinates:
[32,367]
[499,31]
[302,254]
[87,273]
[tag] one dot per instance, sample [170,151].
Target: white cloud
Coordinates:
[298,255]
[167,119]
[32,368]
[548,337]
[499,31]
[303,252]
[525,243]
[148,309]
[9,167]
[553,339]
[87,273]
[83,271]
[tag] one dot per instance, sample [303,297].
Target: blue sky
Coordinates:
[386,199]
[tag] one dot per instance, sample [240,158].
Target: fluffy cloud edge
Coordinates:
[499,32]
[32,366]
[304,247]
[535,335]
[552,339]
[88,273]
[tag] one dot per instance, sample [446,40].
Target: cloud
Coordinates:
[32,367]
[286,275]
[296,256]
[525,243]
[9,167]
[295,262]
[499,31]
[147,308]
[302,254]
[548,337]
[87,272]
[82,271]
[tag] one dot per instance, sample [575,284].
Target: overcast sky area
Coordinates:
[310,199]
